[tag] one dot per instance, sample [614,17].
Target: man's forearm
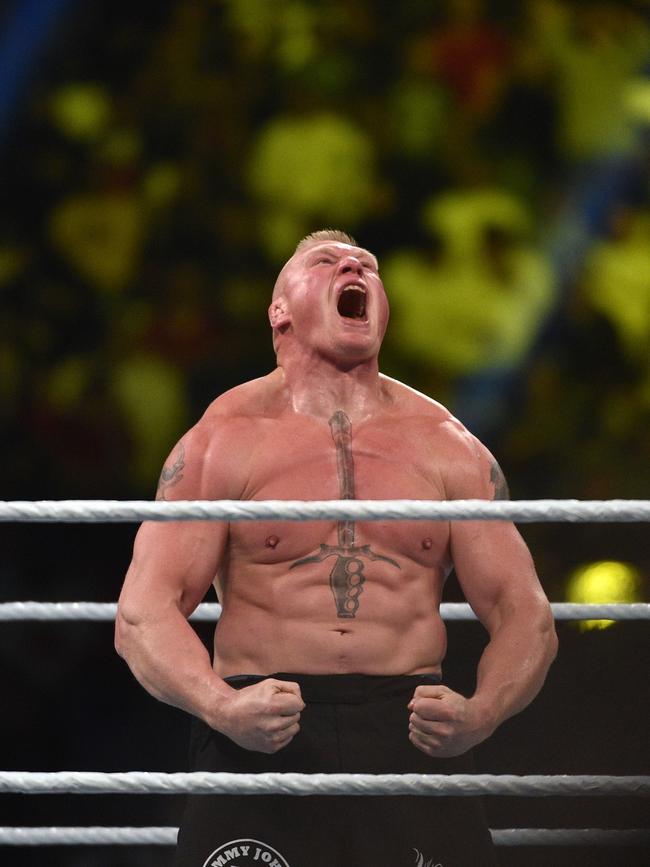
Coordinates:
[513,666]
[170,661]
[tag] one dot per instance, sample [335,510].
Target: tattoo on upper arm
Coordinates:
[171,475]
[497,478]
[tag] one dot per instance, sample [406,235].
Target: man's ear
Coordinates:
[279,313]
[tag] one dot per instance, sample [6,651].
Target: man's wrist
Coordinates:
[214,706]
[485,714]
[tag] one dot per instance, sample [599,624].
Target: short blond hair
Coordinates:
[318,237]
[325,235]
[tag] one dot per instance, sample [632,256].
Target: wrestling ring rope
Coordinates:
[211,611]
[101,835]
[523,511]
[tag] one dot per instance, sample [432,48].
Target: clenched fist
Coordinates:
[444,723]
[263,717]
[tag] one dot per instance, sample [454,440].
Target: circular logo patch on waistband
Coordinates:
[238,853]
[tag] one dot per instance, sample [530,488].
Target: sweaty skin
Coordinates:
[326,597]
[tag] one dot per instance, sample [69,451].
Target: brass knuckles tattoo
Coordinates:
[347,576]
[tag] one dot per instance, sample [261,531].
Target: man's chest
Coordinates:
[337,461]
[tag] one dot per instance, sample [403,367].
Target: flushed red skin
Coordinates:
[274,438]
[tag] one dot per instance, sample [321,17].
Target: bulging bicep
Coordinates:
[493,564]
[174,563]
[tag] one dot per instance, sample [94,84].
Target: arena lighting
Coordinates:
[603,580]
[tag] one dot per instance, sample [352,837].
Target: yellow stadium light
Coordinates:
[603,582]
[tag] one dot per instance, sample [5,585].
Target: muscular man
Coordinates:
[328,654]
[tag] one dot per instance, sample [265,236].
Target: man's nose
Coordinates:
[351,265]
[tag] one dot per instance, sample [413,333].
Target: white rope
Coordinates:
[207,783]
[100,835]
[94,835]
[612,611]
[211,611]
[97,611]
[523,511]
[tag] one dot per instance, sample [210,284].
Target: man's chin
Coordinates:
[355,351]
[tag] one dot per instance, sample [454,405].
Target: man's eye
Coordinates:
[324,259]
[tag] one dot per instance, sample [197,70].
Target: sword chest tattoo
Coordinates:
[347,576]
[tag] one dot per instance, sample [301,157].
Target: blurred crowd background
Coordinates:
[158,164]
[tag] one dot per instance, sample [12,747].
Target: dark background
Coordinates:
[157,166]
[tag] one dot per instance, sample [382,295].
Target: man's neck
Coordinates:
[319,388]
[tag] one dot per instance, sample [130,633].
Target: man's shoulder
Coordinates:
[215,452]
[232,421]
[425,411]
[245,405]
[455,450]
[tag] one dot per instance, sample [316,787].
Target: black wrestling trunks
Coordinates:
[352,723]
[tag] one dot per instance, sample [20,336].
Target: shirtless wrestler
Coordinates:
[331,599]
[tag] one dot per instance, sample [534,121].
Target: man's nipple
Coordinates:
[271,541]
[426,543]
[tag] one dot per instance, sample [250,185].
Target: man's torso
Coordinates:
[337,597]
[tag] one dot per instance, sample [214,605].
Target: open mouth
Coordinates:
[352,303]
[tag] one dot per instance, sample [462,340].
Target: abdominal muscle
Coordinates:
[396,630]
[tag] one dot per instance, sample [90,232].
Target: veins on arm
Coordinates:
[171,473]
[498,480]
